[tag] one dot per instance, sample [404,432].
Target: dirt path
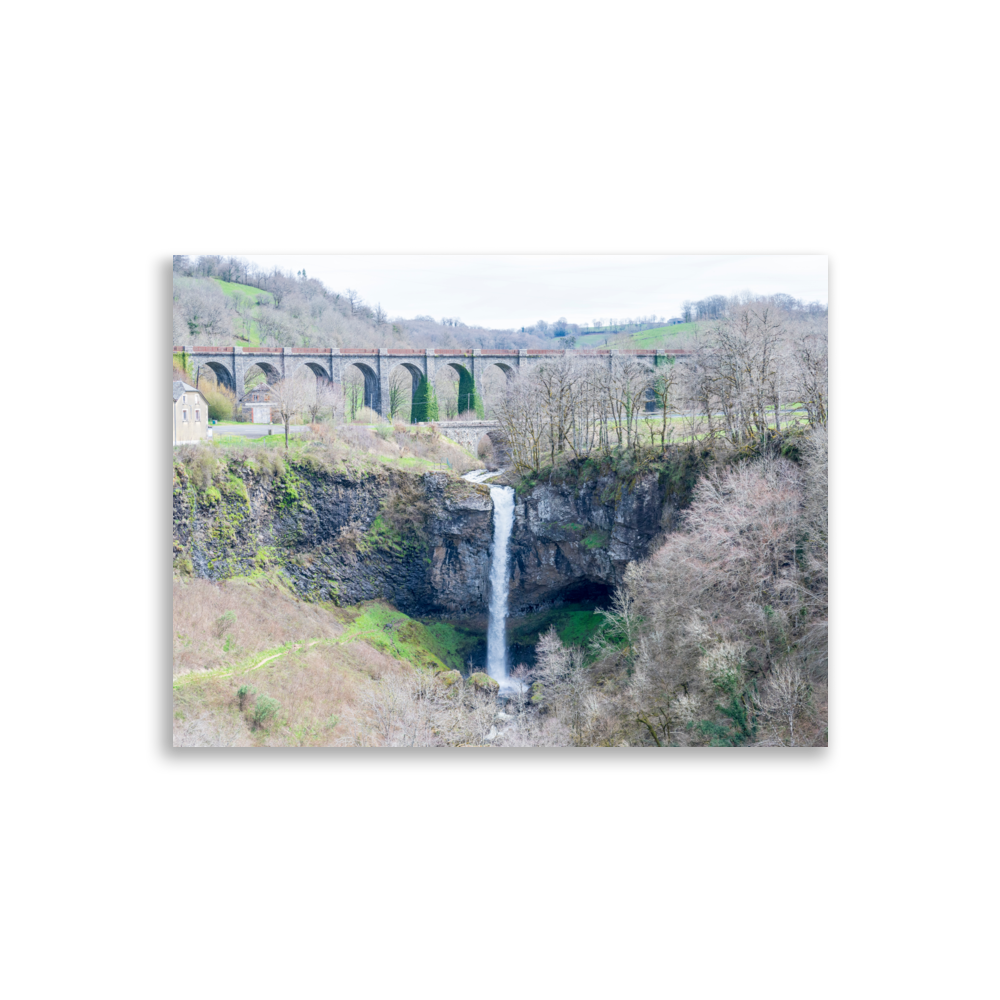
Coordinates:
[273,656]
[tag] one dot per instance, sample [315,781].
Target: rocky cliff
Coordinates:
[421,541]
[575,538]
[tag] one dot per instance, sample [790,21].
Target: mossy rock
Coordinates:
[483,682]
[448,677]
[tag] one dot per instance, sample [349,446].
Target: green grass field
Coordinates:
[660,336]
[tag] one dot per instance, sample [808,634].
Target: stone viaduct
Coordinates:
[230,365]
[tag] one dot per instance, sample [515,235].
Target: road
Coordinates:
[256,430]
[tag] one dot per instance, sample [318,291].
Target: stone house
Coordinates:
[190,414]
[258,401]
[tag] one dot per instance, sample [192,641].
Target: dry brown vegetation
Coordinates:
[396,441]
[217,623]
[236,686]
[223,632]
[342,444]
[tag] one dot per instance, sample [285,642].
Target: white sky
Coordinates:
[513,291]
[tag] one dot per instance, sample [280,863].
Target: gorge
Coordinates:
[420,540]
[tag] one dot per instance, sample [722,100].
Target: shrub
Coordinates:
[265,709]
[407,508]
[243,693]
[221,402]
[201,464]
[224,622]
[356,437]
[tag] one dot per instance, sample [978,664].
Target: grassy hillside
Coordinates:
[250,335]
[660,336]
[253,666]
[312,664]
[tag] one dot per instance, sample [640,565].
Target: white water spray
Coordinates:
[496,636]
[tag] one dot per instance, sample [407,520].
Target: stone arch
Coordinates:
[371,385]
[324,380]
[270,373]
[650,404]
[222,375]
[496,444]
[508,370]
[418,390]
[468,400]
[317,369]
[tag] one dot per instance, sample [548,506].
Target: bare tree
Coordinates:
[621,627]
[354,391]
[324,400]
[400,382]
[524,424]
[810,374]
[273,328]
[353,297]
[785,696]
[291,397]
[663,393]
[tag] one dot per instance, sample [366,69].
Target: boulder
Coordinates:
[483,682]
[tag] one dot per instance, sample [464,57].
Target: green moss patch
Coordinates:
[453,644]
[576,624]
[483,682]
[393,633]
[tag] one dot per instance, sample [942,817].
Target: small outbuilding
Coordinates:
[258,402]
[190,414]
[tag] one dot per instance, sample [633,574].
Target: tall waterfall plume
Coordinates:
[496,638]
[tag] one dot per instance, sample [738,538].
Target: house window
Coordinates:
[184,415]
[197,416]
[184,399]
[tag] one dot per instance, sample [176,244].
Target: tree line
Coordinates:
[282,309]
[715,307]
[755,371]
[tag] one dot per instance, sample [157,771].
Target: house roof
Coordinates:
[180,387]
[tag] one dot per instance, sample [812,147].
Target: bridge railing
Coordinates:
[439,352]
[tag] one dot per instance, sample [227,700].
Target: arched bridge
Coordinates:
[231,364]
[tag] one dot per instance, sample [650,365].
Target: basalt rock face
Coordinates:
[328,535]
[420,541]
[567,536]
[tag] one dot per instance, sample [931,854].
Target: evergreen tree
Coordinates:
[425,404]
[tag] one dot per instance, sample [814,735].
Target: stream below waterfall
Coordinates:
[497,665]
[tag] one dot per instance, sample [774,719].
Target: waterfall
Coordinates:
[496,637]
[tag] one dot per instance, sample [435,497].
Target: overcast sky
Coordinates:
[513,291]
